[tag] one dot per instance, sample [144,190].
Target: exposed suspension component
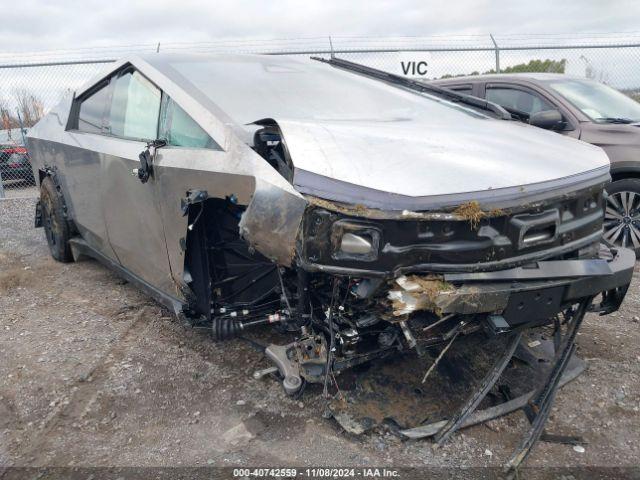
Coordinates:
[231,325]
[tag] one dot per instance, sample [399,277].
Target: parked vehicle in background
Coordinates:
[584,109]
[15,166]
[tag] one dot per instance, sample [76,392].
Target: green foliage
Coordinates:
[550,66]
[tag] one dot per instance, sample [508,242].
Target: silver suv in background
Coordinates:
[583,109]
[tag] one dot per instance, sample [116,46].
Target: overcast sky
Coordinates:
[55,30]
[34,25]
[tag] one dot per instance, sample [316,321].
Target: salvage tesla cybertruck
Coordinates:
[361,213]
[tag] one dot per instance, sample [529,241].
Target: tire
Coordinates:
[56,227]
[622,215]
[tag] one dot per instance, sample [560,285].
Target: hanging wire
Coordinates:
[329,365]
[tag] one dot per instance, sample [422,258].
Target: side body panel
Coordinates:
[132,213]
[78,167]
[621,142]
[145,222]
[236,172]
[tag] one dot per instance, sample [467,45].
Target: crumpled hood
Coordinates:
[417,159]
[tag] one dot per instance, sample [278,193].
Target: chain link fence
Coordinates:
[32,83]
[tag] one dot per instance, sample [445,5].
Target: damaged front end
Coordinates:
[352,285]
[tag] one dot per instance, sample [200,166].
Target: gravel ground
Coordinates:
[93,373]
[12,191]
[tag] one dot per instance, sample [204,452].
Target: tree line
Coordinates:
[548,66]
[27,109]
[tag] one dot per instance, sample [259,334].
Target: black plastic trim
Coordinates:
[456,267]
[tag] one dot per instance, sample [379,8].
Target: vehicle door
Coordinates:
[78,163]
[523,101]
[131,207]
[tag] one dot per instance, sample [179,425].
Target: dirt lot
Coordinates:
[19,191]
[93,373]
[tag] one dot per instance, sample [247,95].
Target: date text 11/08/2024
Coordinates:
[315,472]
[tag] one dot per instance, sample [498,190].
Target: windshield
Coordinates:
[250,88]
[599,102]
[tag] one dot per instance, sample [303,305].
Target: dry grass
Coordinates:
[419,293]
[472,212]
[13,277]
[12,272]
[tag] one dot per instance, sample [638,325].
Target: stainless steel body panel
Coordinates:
[366,138]
[132,213]
[143,222]
[240,172]
[415,159]
[78,165]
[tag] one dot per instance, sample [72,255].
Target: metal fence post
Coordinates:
[497,49]
[1,186]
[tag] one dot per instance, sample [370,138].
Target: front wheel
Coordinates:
[622,215]
[56,227]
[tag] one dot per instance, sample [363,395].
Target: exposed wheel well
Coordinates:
[223,271]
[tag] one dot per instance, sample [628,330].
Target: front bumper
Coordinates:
[526,295]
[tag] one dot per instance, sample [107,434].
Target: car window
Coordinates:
[180,130]
[91,111]
[515,99]
[135,108]
[599,102]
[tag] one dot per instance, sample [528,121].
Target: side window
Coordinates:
[516,99]
[135,108]
[91,111]
[180,130]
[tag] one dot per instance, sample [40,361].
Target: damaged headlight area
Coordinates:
[338,238]
[353,240]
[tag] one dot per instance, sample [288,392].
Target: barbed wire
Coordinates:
[340,42]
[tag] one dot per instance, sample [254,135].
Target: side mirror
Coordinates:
[144,171]
[146,160]
[547,119]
